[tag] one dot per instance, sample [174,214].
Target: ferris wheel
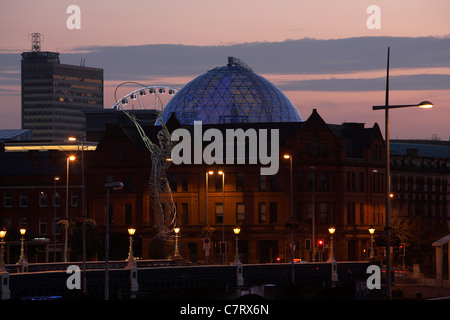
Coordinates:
[144,97]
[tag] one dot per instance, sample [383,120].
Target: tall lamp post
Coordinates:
[108,186]
[331,230]
[66,235]
[236,231]
[206,248]
[224,254]
[22,264]
[2,243]
[54,217]
[386,107]
[176,253]
[287,156]
[131,260]
[372,253]
[83,199]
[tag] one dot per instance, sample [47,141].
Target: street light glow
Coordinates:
[71,158]
[286,156]
[425,105]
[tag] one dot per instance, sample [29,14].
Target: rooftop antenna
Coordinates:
[36,41]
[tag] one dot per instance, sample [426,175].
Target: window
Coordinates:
[323,181]
[361,181]
[351,213]
[56,200]
[240,212]
[273,212]
[315,148]
[128,214]
[311,178]
[240,181]
[184,213]
[127,182]
[42,226]
[323,213]
[74,199]
[184,182]
[219,212]
[273,182]
[361,213]
[262,183]
[23,201]
[42,199]
[173,181]
[7,200]
[218,183]
[261,212]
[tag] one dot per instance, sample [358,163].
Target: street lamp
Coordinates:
[2,242]
[371,231]
[54,217]
[177,231]
[83,197]
[22,264]
[236,231]
[224,254]
[131,260]
[287,156]
[207,174]
[331,230]
[108,186]
[386,107]
[70,158]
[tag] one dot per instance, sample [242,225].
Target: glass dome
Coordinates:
[231,94]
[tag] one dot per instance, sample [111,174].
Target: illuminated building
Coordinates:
[54,95]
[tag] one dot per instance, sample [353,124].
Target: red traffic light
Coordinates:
[320,242]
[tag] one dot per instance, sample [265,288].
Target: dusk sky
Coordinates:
[322,54]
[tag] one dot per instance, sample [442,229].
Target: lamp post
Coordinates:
[54,217]
[22,264]
[131,260]
[71,158]
[372,253]
[108,186]
[207,174]
[83,198]
[224,254]
[236,231]
[287,156]
[177,232]
[2,243]
[331,230]
[386,107]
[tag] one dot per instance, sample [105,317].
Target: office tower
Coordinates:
[54,95]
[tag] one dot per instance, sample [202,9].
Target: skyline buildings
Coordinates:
[54,95]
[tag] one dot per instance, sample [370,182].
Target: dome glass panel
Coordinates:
[231,94]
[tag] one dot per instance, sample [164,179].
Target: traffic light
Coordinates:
[401,249]
[320,243]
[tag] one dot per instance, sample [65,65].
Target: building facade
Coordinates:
[54,95]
